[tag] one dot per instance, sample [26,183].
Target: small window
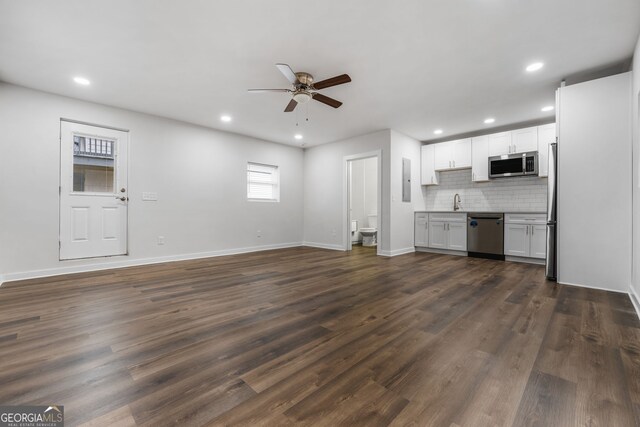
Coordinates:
[263,182]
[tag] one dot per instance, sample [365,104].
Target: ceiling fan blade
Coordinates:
[333,81]
[269,90]
[288,73]
[326,100]
[291,106]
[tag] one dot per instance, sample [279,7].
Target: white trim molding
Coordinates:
[397,252]
[333,247]
[592,287]
[123,262]
[635,300]
[346,216]
[441,251]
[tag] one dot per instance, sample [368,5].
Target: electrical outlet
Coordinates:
[160,240]
[259,233]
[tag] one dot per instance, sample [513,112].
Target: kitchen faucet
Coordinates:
[456,202]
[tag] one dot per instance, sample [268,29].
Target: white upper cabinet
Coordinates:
[524,140]
[453,155]
[546,135]
[480,158]
[461,153]
[499,144]
[474,153]
[428,175]
[443,156]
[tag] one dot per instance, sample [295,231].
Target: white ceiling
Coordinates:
[416,65]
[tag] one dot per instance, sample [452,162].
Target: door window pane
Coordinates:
[93,165]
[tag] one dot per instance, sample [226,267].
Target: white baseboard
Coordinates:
[592,287]
[397,252]
[635,300]
[441,251]
[323,246]
[124,262]
[525,260]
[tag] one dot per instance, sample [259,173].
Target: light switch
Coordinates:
[150,197]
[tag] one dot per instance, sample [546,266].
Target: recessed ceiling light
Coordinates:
[225,118]
[547,108]
[437,131]
[297,136]
[489,120]
[534,67]
[82,81]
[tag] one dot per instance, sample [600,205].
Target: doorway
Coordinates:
[363,203]
[93,191]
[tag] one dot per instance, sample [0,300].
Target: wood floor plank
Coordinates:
[306,336]
[545,402]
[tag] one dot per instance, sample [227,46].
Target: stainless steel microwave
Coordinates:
[509,165]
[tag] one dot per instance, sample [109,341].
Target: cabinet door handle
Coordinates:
[527,229]
[532,229]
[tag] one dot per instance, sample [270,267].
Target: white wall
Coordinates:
[402,213]
[198,173]
[324,185]
[518,194]
[594,184]
[636,176]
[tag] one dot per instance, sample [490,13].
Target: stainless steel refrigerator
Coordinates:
[552,213]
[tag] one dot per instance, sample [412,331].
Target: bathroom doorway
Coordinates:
[363,204]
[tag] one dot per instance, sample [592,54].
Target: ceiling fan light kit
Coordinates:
[304,89]
[302,96]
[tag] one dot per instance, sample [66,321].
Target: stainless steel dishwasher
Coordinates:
[485,235]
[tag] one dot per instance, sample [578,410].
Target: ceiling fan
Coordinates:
[304,88]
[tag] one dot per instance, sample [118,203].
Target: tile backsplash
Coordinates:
[502,195]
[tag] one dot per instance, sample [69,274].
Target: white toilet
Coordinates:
[369,234]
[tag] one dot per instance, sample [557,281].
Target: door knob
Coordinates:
[122,199]
[122,190]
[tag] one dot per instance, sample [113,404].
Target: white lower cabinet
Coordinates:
[457,234]
[448,231]
[516,240]
[525,235]
[421,229]
[538,246]
[438,234]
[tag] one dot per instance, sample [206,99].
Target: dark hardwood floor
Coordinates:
[315,337]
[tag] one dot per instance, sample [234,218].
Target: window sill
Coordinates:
[264,200]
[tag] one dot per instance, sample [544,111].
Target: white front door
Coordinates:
[93,191]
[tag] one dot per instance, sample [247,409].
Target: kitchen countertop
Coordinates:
[464,212]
